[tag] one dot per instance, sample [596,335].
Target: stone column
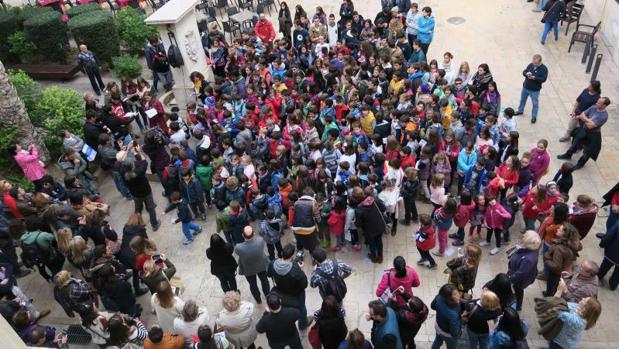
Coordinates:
[179,17]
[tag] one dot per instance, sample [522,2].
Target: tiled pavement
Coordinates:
[504,34]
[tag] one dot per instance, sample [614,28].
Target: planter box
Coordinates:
[49,71]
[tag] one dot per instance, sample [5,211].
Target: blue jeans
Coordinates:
[188,227]
[540,5]
[167,78]
[451,343]
[120,185]
[302,311]
[529,224]
[477,340]
[376,246]
[155,81]
[547,27]
[534,99]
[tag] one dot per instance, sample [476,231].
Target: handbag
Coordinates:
[314,337]
[386,219]
[387,294]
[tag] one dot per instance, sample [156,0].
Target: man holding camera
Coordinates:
[291,282]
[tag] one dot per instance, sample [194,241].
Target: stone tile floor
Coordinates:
[504,34]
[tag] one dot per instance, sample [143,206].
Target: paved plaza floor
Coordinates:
[502,33]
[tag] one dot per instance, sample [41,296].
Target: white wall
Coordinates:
[606,11]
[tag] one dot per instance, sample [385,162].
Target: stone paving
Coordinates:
[504,34]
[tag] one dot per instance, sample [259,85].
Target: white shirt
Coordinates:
[318,49]
[332,34]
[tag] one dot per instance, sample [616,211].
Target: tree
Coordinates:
[13,115]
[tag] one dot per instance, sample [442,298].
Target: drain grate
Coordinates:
[456,20]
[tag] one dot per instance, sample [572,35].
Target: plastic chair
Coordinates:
[231,27]
[584,35]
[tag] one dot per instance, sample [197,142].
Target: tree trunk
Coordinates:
[13,114]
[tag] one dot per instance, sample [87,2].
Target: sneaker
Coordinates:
[308,322]
[533,120]
[196,232]
[156,225]
[422,261]
[600,235]
[438,254]
[494,251]
[23,272]
[564,139]
[484,243]
[393,232]
[356,247]
[517,113]
[541,276]
[187,241]
[563,157]
[453,235]
[457,243]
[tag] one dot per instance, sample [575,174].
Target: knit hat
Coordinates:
[395,9]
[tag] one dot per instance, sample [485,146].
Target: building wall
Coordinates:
[606,11]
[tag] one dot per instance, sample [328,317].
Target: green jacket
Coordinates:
[205,175]
[43,239]
[223,220]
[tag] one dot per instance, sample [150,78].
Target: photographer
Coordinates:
[290,282]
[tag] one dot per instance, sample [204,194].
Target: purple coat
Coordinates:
[539,163]
[522,267]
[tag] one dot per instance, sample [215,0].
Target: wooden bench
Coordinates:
[49,71]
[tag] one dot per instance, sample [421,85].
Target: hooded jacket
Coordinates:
[389,280]
[264,31]
[369,217]
[288,277]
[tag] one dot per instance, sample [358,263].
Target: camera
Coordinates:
[298,257]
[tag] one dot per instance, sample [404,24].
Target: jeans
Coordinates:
[477,340]
[150,207]
[451,343]
[155,81]
[198,208]
[271,248]
[302,312]
[410,210]
[460,234]
[188,227]
[519,292]
[376,246]
[529,223]
[547,27]
[253,285]
[425,48]
[534,99]
[553,345]
[167,78]
[411,39]
[605,268]
[497,235]
[293,343]
[95,80]
[120,185]
[228,282]
[552,281]
[426,255]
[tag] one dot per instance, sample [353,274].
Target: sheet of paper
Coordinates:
[152,112]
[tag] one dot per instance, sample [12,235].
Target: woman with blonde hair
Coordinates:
[487,308]
[153,274]
[73,294]
[236,319]
[144,249]
[80,255]
[167,306]
[464,73]
[463,270]
[63,239]
[522,266]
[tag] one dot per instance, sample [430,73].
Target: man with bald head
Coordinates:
[583,283]
[253,262]
[89,66]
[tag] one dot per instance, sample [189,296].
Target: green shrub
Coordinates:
[21,46]
[21,181]
[8,26]
[78,10]
[7,136]
[49,34]
[30,93]
[28,11]
[98,31]
[132,30]
[127,67]
[63,108]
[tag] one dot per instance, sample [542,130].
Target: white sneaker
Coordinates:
[483,243]
[494,251]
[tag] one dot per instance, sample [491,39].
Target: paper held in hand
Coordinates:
[151,113]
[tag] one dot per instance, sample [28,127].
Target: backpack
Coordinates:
[155,135]
[32,254]
[335,284]
[175,57]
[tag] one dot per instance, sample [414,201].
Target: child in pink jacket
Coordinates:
[495,217]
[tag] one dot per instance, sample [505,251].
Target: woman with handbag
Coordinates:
[477,314]
[553,10]
[330,325]
[522,266]
[401,275]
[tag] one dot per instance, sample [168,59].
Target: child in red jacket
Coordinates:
[495,218]
[463,215]
[426,240]
[336,221]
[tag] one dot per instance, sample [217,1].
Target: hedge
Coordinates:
[78,10]
[49,34]
[8,26]
[28,12]
[98,31]
[127,67]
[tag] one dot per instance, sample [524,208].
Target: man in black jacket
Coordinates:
[278,324]
[290,283]
[134,176]
[92,129]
